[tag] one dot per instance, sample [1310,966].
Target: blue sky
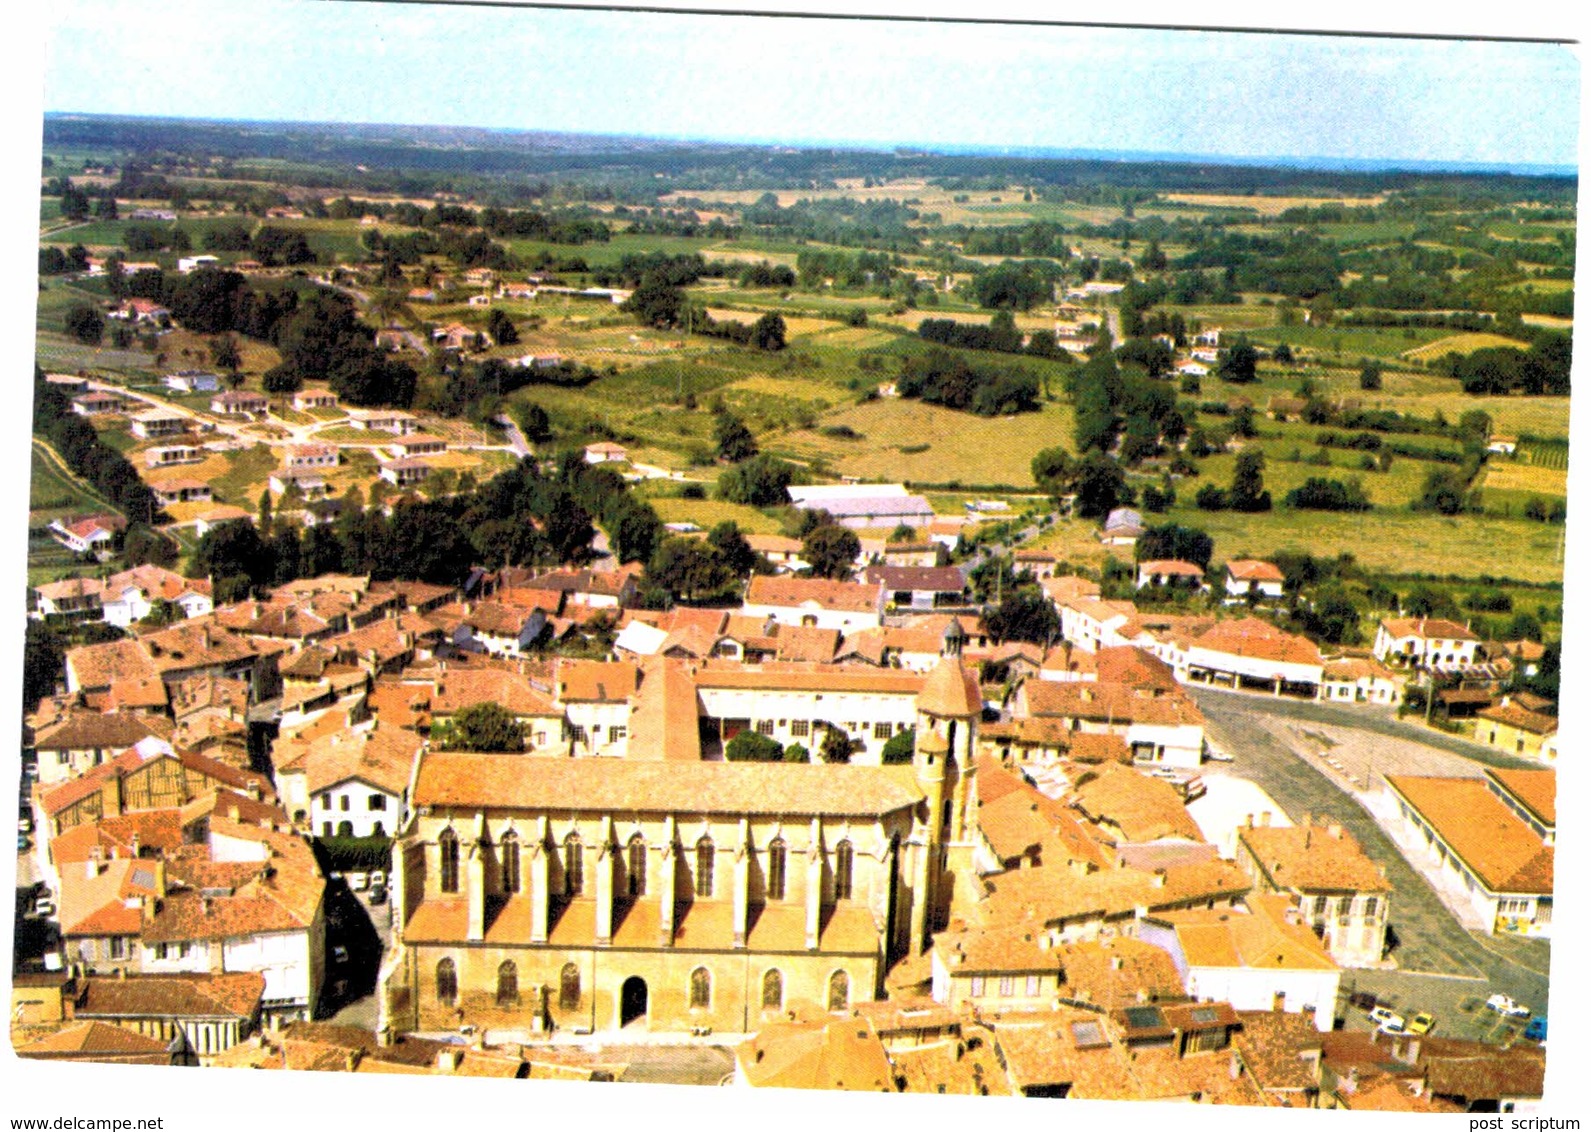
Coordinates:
[791,79]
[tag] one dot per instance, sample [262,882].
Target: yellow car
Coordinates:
[1421,1023]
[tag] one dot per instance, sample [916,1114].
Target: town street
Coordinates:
[1283,746]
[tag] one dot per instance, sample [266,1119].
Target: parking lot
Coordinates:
[1457,1004]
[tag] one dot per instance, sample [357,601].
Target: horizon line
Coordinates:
[1314,162]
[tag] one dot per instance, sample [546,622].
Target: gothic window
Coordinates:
[448,848]
[509,852]
[842,871]
[569,987]
[776,857]
[447,983]
[704,867]
[701,988]
[574,870]
[839,990]
[772,990]
[636,872]
[508,984]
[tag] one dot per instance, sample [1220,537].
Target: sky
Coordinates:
[801,80]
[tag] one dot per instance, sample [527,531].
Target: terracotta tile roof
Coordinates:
[792,593]
[83,730]
[1004,948]
[773,544]
[951,691]
[1070,1047]
[97,666]
[237,807]
[1427,628]
[284,895]
[1112,973]
[1056,892]
[1143,808]
[459,688]
[157,582]
[195,644]
[1069,660]
[808,677]
[816,1052]
[1537,789]
[1254,570]
[69,588]
[935,579]
[153,830]
[98,905]
[1282,1051]
[233,995]
[1354,668]
[663,722]
[1169,567]
[462,779]
[94,1039]
[58,798]
[1472,1072]
[1264,937]
[1108,703]
[400,703]
[1313,858]
[592,681]
[806,643]
[1015,819]
[382,756]
[1485,834]
[1136,667]
[1512,715]
[1252,637]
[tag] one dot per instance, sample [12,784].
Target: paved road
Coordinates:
[1429,938]
[517,443]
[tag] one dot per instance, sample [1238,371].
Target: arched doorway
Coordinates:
[632,1000]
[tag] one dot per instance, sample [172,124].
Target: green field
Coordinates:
[55,491]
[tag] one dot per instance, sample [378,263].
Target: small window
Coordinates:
[447,983]
[636,867]
[615,734]
[377,801]
[569,987]
[118,947]
[800,728]
[1033,986]
[1007,986]
[574,869]
[507,984]
[325,829]
[976,990]
[883,730]
[701,989]
[839,990]
[344,803]
[764,727]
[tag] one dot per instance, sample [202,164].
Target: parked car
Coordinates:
[1507,1007]
[1387,1020]
[1421,1023]
[24,842]
[358,881]
[24,825]
[378,877]
[1537,1030]
[378,894]
[339,954]
[1363,1000]
[44,907]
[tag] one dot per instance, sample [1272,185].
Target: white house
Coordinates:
[193,381]
[1161,572]
[1358,680]
[606,452]
[130,595]
[1261,956]
[310,456]
[169,454]
[356,782]
[1251,653]
[846,606]
[1425,642]
[1248,576]
[188,264]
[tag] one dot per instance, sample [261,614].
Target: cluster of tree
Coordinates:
[1016,285]
[1025,613]
[1542,369]
[54,261]
[1038,238]
[1095,481]
[679,270]
[473,389]
[323,339]
[709,569]
[848,271]
[1320,494]
[521,517]
[940,377]
[750,746]
[105,469]
[767,333]
[760,481]
[488,727]
[1239,363]
[1171,541]
[839,220]
[1113,403]
[765,274]
[1247,492]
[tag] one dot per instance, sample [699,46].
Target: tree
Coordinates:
[732,549]
[1243,424]
[689,570]
[901,748]
[532,421]
[835,746]
[1025,614]
[735,441]
[143,544]
[1100,486]
[831,551]
[43,663]
[485,727]
[656,302]
[231,550]
[282,380]
[1240,363]
[761,481]
[1185,544]
[1248,483]
[85,324]
[1370,376]
[1283,354]
[74,202]
[224,352]
[1052,470]
[501,327]
[750,747]
[767,333]
[1443,492]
